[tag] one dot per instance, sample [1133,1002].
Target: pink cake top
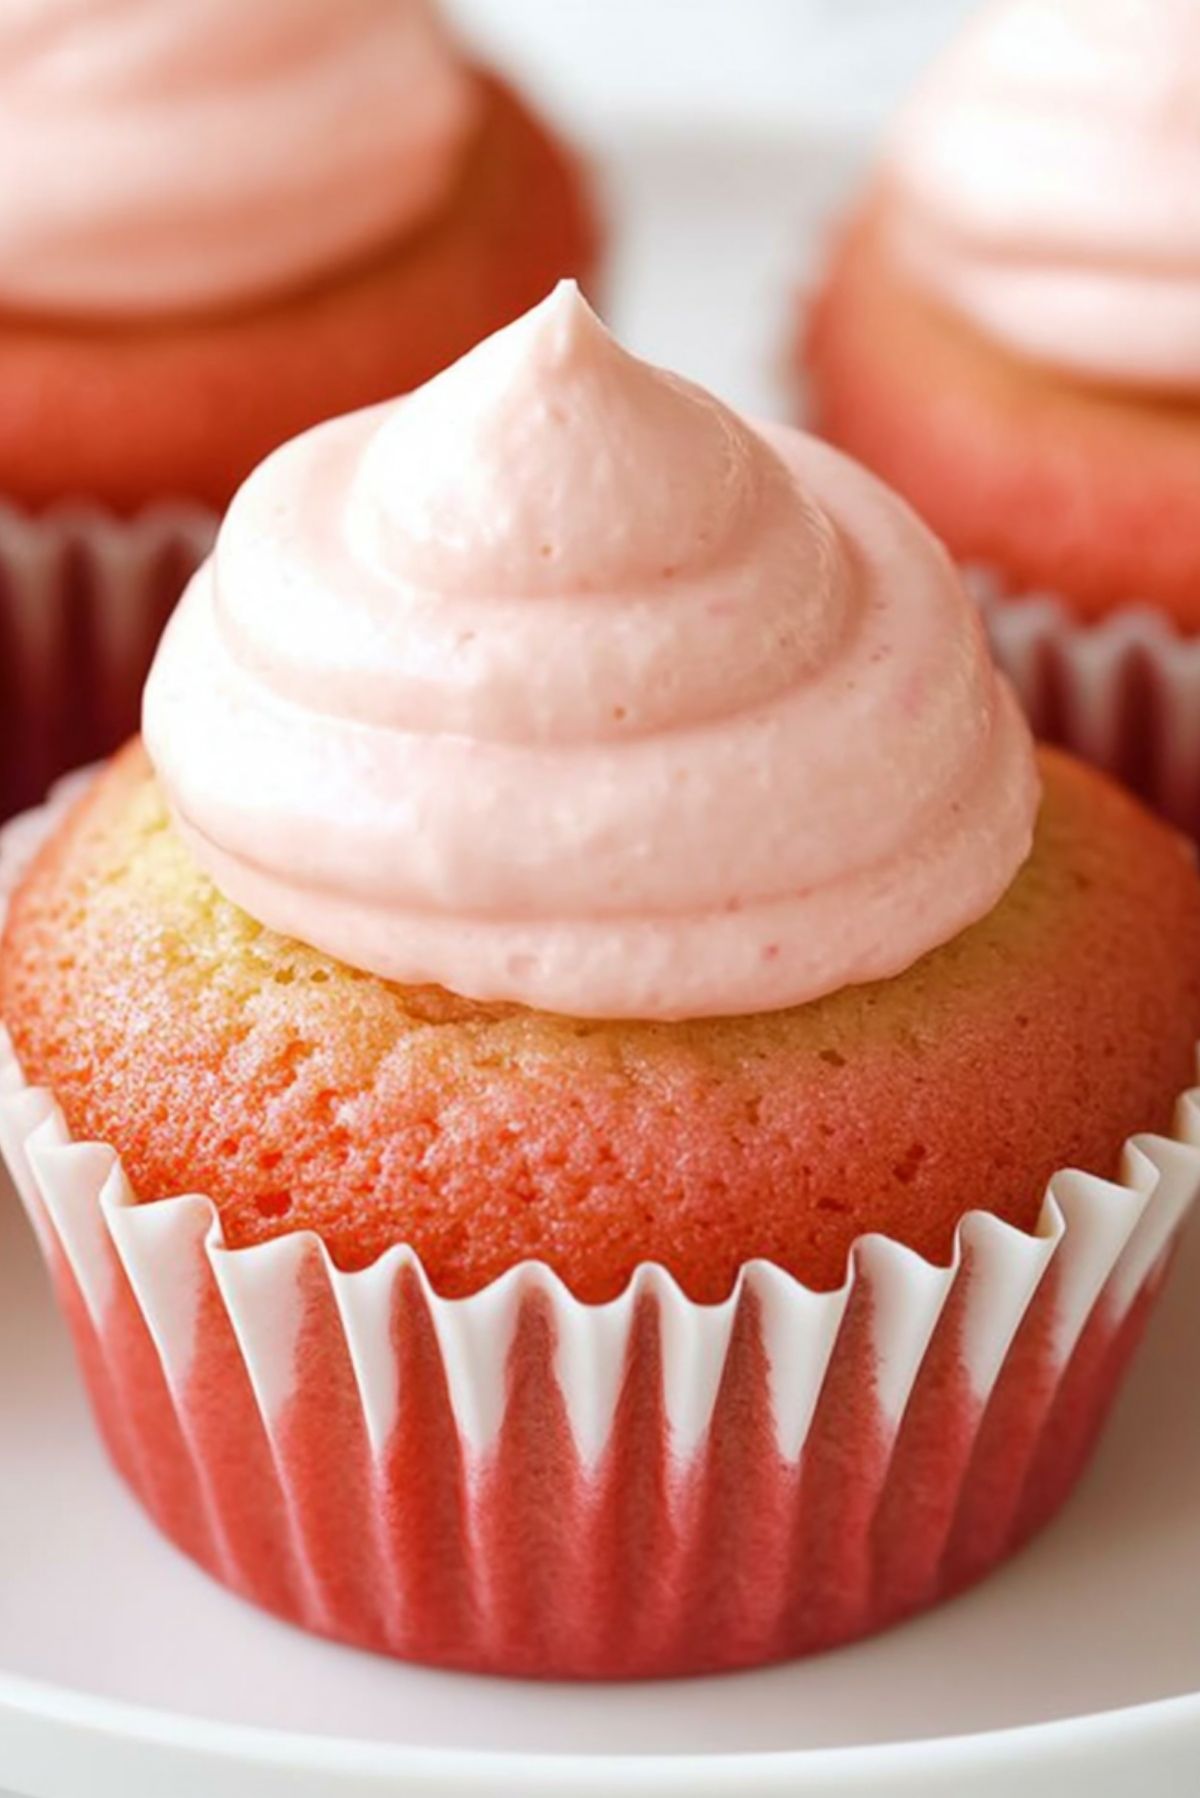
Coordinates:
[185,154]
[559,682]
[1048,170]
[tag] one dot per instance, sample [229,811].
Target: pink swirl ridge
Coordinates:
[557,682]
[170,155]
[1047,178]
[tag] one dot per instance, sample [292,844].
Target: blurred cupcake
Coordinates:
[592,925]
[232,221]
[1009,332]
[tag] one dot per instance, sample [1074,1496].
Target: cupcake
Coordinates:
[232,222]
[1008,333]
[590,924]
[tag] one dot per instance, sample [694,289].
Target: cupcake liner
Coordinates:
[518,1482]
[1123,693]
[83,600]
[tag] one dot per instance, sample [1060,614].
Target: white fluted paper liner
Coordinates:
[521,1482]
[1123,693]
[83,599]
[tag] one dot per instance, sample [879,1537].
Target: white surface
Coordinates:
[123,1671]
[836,64]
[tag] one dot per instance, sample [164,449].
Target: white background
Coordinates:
[825,63]
[722,129]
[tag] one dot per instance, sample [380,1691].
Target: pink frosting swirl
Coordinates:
[1048,172]
[558,682]
[168,154]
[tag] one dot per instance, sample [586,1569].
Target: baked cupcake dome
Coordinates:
[126,412]
[301,1094]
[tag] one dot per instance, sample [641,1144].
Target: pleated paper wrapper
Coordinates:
[84,597]
[520,1483]
[1123,693]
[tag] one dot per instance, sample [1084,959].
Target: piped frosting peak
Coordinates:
[559,682]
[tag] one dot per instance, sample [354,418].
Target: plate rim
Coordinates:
[1128,1728]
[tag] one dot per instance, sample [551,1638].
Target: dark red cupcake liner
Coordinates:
[83,601]
[1124,693]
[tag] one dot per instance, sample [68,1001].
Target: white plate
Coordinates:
[124,1672]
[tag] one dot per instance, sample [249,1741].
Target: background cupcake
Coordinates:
[1007,332]
[594,891]
[232,221]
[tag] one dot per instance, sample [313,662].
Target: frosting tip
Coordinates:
[559,682]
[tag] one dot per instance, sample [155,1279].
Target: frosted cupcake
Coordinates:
[1008,333]
[232,221]
[592,923]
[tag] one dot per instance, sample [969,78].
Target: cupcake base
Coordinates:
[531,1560]
[518,1483]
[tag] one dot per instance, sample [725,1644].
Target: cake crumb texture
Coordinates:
[298,1093]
